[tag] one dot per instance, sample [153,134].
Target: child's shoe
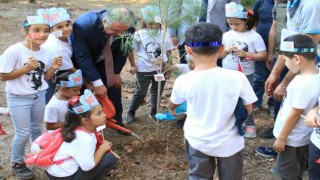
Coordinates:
[129,118]
[250,132]
[152,115]
[21,171]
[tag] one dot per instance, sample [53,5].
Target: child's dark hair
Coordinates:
[250,20]
[204,33]
[301,42]
[72,121]
[60,75]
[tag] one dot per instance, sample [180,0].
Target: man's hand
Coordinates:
[279,92]
[100,90]
[279,145]
[270,84]
[118,81]
[89,85]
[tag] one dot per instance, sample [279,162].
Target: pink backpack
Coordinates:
[45,147]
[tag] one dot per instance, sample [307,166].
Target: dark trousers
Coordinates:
[260,76]
[144,79]
[107,163]
[202,166]
[314,167]
[115,96]
[182,54]
[50,91]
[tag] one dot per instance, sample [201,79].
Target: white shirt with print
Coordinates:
[212,96]
[60,48]
[302,93]
[56,110]
[148,45]
[15,57]
[249,41]
[315,136]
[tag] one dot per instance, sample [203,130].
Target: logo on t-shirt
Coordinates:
[153,49]
[240,45]
[35,76]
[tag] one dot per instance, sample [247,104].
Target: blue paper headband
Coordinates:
[204,44]
[88,101]
[74,80]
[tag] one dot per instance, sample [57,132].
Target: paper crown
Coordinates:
[288,46]
[88,101]
[151,14]
[74,80]
[235,11]
[54,15]
[36,20]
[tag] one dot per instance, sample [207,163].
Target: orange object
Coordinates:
[113,125]
[108,107]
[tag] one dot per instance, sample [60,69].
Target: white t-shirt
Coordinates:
[15,57]
[148,46]
[249,41]
[306,17]
[212,96]
[315,136]
[81,149]
[183,68]
[56,110]
[64,50]
[302,93]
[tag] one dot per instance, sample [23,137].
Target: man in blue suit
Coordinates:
[93,33]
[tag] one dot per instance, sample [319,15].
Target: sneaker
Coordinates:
[273,171]
[268,134]
[129,118]
[152,115]
[271,111]
[250,132]
[21,171]
[267,152]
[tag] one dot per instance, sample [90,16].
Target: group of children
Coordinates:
[209,130]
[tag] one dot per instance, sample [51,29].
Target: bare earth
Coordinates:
[161,156]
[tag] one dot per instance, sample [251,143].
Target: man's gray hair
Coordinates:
[123,15]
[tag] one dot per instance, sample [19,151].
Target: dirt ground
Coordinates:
[161,156]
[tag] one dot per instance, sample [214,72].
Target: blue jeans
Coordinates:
[27,114]
[143,81]
[260,76]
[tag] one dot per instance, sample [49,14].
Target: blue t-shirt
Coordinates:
[262,10]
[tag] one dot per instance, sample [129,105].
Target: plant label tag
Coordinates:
[57,34]
[159,77]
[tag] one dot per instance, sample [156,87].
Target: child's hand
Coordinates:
[312,119]
[229,49]
[279,145]
[32,64]
[105,146]
[57,62]
[240,53]
[133,69]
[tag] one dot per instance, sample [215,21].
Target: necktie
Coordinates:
[204,7]
[108,63]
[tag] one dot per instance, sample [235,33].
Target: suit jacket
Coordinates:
[88,40]
[217,14]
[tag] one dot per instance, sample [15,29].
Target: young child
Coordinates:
[84,160]
[148,42]
[293,137]
[243,46]
[68,84]
[313,120]
[58,42]
[25,66]
[210,129]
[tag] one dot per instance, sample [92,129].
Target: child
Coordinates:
[313,120]
[210,129]
[148,42]
[25,66]
[243,46]
[84,160]
[68,84]
[58,42]
[302,94]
